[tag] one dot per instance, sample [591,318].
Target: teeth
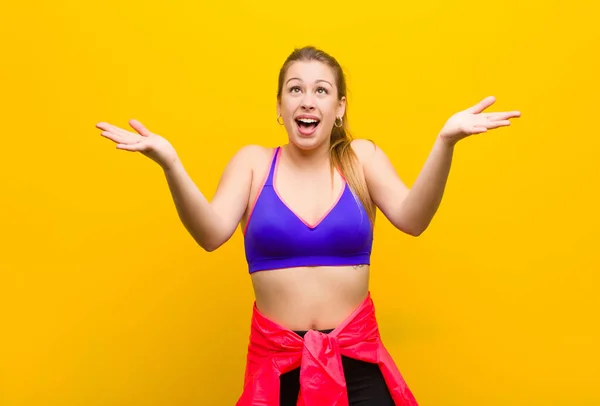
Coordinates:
[308,120]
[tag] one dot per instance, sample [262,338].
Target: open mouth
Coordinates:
[307,126]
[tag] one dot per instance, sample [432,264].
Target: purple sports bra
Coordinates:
[275,237]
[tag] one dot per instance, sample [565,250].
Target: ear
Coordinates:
[341,109]
[278,106]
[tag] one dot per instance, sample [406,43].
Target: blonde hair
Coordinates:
[341,154]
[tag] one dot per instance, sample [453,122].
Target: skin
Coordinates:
[308,297]
[315,297]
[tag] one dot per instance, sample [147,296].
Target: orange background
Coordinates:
[106,300]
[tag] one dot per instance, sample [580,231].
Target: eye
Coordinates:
[294,88]
[322,90]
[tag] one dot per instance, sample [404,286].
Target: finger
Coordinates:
[496,124]
[128,138]
[118,131]
[107,127]
[127,134]
[139,127]
[136,147]
[505,115]
[112,136]
[478,129]
[482,105]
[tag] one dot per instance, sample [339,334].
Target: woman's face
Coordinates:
[309,103]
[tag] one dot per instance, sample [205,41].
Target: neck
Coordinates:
[313,158]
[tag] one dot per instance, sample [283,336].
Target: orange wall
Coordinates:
[106,300]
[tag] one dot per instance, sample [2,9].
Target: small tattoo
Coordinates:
[357,266]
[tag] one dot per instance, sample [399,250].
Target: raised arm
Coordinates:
[211,224]
[411,210]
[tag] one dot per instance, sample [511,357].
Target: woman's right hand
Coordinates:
[149,144]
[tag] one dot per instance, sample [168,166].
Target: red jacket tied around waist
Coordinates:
[274,350]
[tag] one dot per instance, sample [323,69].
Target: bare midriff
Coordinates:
[310,298]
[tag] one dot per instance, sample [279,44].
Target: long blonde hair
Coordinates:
[341,154]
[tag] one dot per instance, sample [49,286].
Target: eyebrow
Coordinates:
[316,81]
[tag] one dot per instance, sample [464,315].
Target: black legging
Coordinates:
[364,381]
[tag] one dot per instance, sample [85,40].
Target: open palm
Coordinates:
[149,144]
[474,121]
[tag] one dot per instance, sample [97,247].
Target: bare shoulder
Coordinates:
[255,160]
[251,152]
[252,156]
[364,149]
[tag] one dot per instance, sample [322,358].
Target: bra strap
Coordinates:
[272,169]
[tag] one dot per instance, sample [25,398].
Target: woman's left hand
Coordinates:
[474,121]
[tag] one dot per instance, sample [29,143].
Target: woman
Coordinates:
[307,211]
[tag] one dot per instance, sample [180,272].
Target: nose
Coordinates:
[308,102]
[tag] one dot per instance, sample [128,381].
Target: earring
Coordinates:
[278,117]
[341,122]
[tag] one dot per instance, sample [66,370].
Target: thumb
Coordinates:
[139,127]
[482,105]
